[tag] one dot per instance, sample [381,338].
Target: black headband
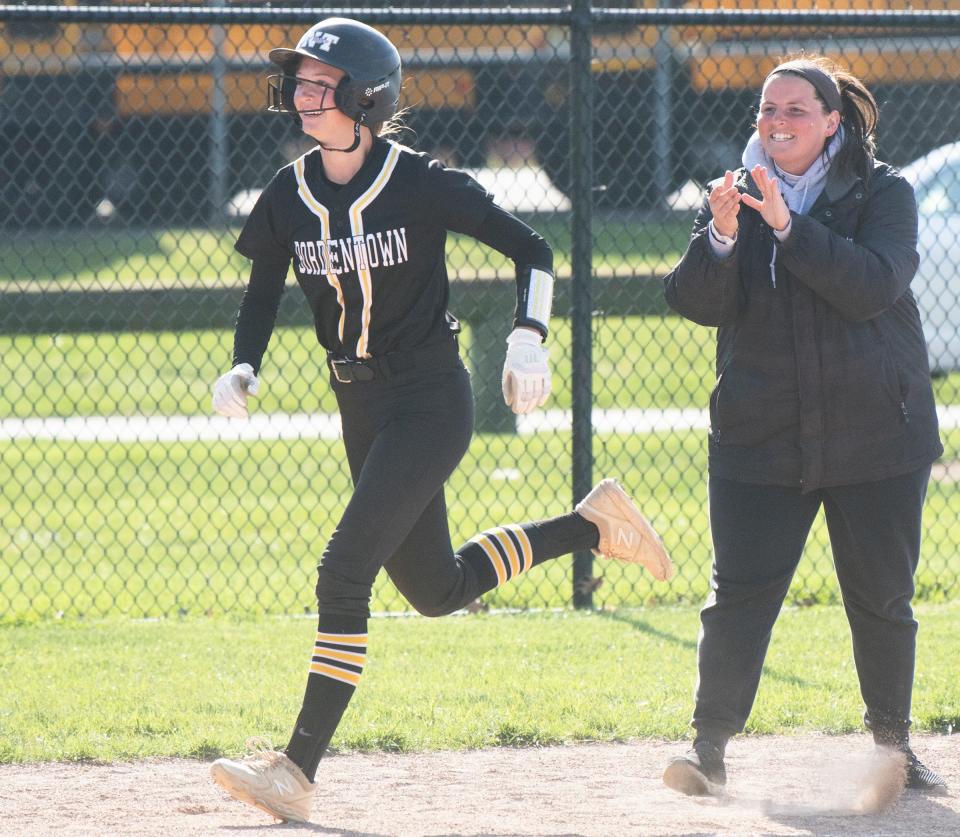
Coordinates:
[822,83]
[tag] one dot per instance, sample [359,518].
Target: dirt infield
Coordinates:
[777,786]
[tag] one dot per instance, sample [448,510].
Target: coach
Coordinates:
[803,260]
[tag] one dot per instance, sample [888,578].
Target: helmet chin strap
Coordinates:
[356,138]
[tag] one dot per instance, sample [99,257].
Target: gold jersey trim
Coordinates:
[323,214]
[356,228]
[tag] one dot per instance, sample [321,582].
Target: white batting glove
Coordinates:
[526,375]
[231,390]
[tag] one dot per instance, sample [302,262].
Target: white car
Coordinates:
[936,180]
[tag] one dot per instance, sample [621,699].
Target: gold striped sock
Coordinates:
[508,549]
[339,656]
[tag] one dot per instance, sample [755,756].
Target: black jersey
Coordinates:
[370,255]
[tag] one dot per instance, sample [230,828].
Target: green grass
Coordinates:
[162,529]
[157,529]
[189,528]
[119,690]
[116,259]
[638,362]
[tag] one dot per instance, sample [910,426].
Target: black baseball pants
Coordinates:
[759,532]
[404,435]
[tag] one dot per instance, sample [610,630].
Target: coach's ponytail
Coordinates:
[859,119]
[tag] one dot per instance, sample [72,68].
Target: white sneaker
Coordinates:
[268,780]
[625,534]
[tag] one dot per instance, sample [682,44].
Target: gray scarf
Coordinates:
[800,191]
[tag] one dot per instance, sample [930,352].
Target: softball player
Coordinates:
[364,221]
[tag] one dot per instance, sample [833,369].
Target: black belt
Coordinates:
[445,355]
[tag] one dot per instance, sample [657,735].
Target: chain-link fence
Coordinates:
[134,141]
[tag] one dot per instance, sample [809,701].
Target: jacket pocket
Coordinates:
[865,391]
[897,385]
[750,407]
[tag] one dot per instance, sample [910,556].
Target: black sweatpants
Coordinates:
[759,532]
[404,436]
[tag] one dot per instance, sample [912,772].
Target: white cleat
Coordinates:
[625,534]
[268,780]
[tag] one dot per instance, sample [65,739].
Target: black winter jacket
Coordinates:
[822,375]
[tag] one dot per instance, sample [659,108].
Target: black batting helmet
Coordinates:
[368,93]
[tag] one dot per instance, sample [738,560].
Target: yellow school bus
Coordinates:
[166,121]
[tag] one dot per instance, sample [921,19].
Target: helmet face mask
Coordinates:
[368,93]
[281,89]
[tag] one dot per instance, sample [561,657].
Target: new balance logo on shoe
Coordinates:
[625,534]
[284,787]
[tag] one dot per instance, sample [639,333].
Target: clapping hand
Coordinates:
[772,208]
[725,205]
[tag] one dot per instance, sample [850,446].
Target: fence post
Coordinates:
[581,257]
[218,127]
[663,109]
